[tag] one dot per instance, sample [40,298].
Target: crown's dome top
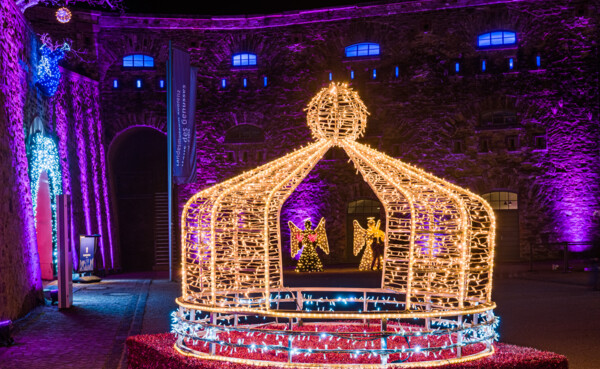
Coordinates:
[337,112]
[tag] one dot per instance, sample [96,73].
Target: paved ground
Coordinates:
[543,309]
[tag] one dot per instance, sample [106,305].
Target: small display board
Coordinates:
[87,249]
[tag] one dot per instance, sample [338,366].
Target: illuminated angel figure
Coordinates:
[373,238]
[310,240]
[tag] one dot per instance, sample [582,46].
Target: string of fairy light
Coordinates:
[43,156]
[437,259]
[310,239]
[48,73]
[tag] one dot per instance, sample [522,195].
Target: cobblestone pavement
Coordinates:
[91,334]
[542,309]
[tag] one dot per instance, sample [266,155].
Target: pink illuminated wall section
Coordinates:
[105,189]
[82,152]
[93,145]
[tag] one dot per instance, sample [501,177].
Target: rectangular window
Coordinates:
[264,81]
[161,83]
[397,71]
[485,144]
[230,156]
[457,147]
[538,61]
[511,63]
[223,83]
[483,66]
[374,73]
[512,143]
[539,142]
[115,83]
[245,82]
[457,67]
[351,74]
[330,76]
[138,83]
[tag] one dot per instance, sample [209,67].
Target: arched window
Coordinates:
[243,60]
[244,133]
[496,38]
[138,61]
[502,200]
[362,49]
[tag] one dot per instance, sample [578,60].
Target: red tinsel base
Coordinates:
[156,352]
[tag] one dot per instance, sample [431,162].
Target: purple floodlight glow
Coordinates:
[83,169]
[105,190]
[94,145]
[575,211]
[19,178]
[62,131]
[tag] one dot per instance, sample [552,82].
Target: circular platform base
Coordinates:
[157,351]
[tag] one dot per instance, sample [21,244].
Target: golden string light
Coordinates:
[438,241]
[310,240]
[366,238]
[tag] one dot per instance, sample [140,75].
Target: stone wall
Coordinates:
[76,117]
[417,115]
[20,278]
[71,118]
[426,114]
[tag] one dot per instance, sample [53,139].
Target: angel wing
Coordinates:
[295,237]
[379,233]
[322,236]
[360,235]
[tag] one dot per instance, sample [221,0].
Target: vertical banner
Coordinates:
[183,97]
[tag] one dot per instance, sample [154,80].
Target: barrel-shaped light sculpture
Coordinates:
[434,306]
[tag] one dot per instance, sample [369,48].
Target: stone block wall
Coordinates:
[426,113]
[20,276]
[71,118]
[418,114]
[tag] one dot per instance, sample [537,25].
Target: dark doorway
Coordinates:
[506,208]
[507,235]
[138,159]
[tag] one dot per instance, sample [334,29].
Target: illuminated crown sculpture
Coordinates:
[434,306]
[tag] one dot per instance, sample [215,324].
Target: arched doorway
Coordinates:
[360,210]
[138,165]
[43,229]
[506,209]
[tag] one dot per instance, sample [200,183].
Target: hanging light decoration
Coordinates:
[43,156]
[48,74]
[434,303]
[63,15]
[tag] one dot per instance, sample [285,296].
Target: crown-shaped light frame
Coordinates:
[437,268]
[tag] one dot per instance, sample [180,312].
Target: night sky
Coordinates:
[234,7]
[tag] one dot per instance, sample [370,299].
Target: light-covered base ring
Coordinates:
[325,331]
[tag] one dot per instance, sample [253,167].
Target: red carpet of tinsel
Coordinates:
[156,352]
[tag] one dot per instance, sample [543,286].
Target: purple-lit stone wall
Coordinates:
[72,117]
[417,116]
[20,276]
[80,131]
